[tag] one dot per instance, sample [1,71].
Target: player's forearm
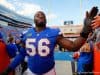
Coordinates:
[72,45]
[13,65]
[78,43]
[19,58]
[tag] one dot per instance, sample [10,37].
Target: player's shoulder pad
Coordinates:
[25,32]
[56,31]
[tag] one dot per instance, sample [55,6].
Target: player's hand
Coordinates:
[76,55]
[88,21]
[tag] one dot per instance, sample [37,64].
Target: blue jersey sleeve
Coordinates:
[23,36]
[55,31]
[59,32]
[18,59]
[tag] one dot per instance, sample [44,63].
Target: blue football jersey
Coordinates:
[40,49]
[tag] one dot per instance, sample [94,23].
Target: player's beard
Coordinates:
[41,24]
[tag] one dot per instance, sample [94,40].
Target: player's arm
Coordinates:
[17,60]
[71,45]
[75,45]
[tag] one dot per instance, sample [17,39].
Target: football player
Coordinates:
[39,43]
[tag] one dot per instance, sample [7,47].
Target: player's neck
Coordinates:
[39,29]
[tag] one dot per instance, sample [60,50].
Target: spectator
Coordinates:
[4,57]
[18,44]
[11,47]
[85,58]
[96,27]
[23,65]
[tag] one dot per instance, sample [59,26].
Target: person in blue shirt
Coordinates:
[23,65]
[85,60]
[84,57]
[18,44]
[39,43]
[12,48]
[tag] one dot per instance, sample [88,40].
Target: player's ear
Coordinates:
[34,20]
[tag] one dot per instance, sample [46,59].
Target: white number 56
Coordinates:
[43,49]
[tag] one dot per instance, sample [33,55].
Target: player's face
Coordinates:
[40,19]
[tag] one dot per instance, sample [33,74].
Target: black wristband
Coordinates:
[84,35]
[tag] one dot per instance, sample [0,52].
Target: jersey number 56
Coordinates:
[43,50]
